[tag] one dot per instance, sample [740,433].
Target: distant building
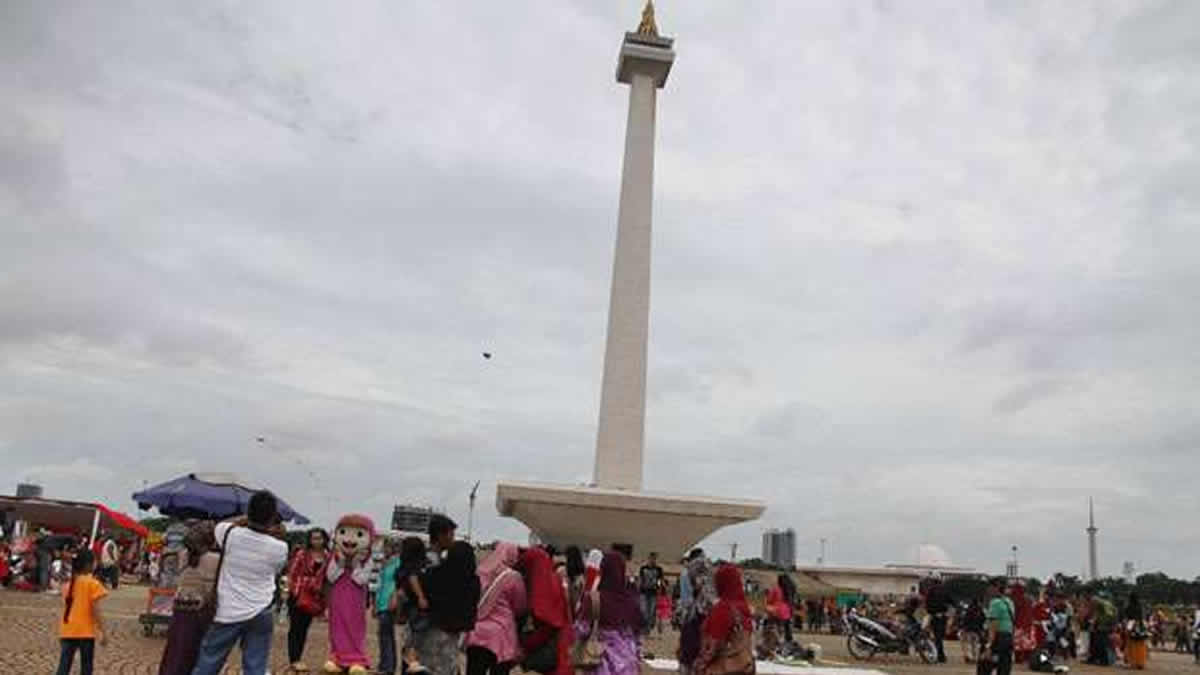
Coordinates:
[779,548]
[407,518]
[1129,571]
[893,579]
[29,491]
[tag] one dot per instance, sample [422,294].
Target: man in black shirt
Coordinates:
[650,576]
[937,604]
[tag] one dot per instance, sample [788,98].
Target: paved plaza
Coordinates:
[28,643]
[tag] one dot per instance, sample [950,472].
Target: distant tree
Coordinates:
[156,523]
[965,589]
[1067,583]
[1033,586]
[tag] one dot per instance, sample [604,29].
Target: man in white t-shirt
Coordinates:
[253,554]
[110,556]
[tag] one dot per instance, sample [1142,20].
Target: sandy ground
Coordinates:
[28,643]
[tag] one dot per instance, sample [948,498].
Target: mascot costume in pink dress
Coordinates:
[348,573]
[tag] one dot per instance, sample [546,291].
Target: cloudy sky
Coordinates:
[925,272]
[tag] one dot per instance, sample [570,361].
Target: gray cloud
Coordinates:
[923,273]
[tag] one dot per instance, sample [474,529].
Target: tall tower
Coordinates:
[644,62]
[1091,531]
[614,509]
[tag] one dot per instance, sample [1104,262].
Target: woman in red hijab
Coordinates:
[1023,640]
[728,633]
[548,607]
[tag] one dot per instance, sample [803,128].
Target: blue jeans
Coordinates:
[387,644]
[255,637]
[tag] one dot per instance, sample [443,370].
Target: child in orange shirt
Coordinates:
[81,623]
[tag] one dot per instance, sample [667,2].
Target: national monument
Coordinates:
[615,509]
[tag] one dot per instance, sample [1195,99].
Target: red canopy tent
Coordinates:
[62,515]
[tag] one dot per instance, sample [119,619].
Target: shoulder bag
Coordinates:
[544,658]
[589,654]
[220,564]
[736,655]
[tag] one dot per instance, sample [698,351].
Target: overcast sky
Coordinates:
[924,272]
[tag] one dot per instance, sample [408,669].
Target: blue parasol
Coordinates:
[214,496]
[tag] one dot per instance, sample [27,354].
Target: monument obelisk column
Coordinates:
[644,63]
[614,509]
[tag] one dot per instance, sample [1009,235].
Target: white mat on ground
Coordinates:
[772,668]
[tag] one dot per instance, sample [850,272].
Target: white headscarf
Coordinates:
[595,557]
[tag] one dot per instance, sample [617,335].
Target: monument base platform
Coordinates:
[591,517]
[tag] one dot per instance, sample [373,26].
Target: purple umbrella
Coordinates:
[210,496]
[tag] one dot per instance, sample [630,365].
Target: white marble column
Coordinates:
[620,438]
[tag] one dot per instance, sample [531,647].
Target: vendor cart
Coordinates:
[160,604]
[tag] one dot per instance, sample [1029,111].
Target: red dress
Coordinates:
[1023,640]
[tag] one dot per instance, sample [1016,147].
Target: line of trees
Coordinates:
[1154,588]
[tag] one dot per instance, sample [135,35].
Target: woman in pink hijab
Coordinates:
[493,647]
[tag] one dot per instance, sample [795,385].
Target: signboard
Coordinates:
[407,518]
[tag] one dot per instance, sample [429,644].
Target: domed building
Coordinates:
[892,579]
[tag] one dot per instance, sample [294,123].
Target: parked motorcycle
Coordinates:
[867,638]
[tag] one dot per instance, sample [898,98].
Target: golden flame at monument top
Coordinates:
[647,26]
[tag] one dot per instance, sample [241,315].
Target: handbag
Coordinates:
[543,659]
[736,655]
[589,654]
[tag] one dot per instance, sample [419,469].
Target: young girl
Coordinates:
[81,623]
[663,608]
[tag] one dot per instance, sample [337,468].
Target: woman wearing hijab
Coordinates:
[576,573]
[616,613]
[453,592]
[592,569]
[1023,640]
[779,614]
[194,602]
[547,608]
[728,631]
[492,647]
[694,609]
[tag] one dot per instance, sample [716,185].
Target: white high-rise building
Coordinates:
[779,547]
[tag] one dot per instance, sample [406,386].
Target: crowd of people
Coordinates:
[43,562]
[527,607]
[521,607]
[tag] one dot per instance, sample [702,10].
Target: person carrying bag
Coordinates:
[589,654]
[728,633]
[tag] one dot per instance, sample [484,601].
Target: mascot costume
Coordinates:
[348,572]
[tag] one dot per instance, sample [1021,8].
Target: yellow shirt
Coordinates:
[80,622]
